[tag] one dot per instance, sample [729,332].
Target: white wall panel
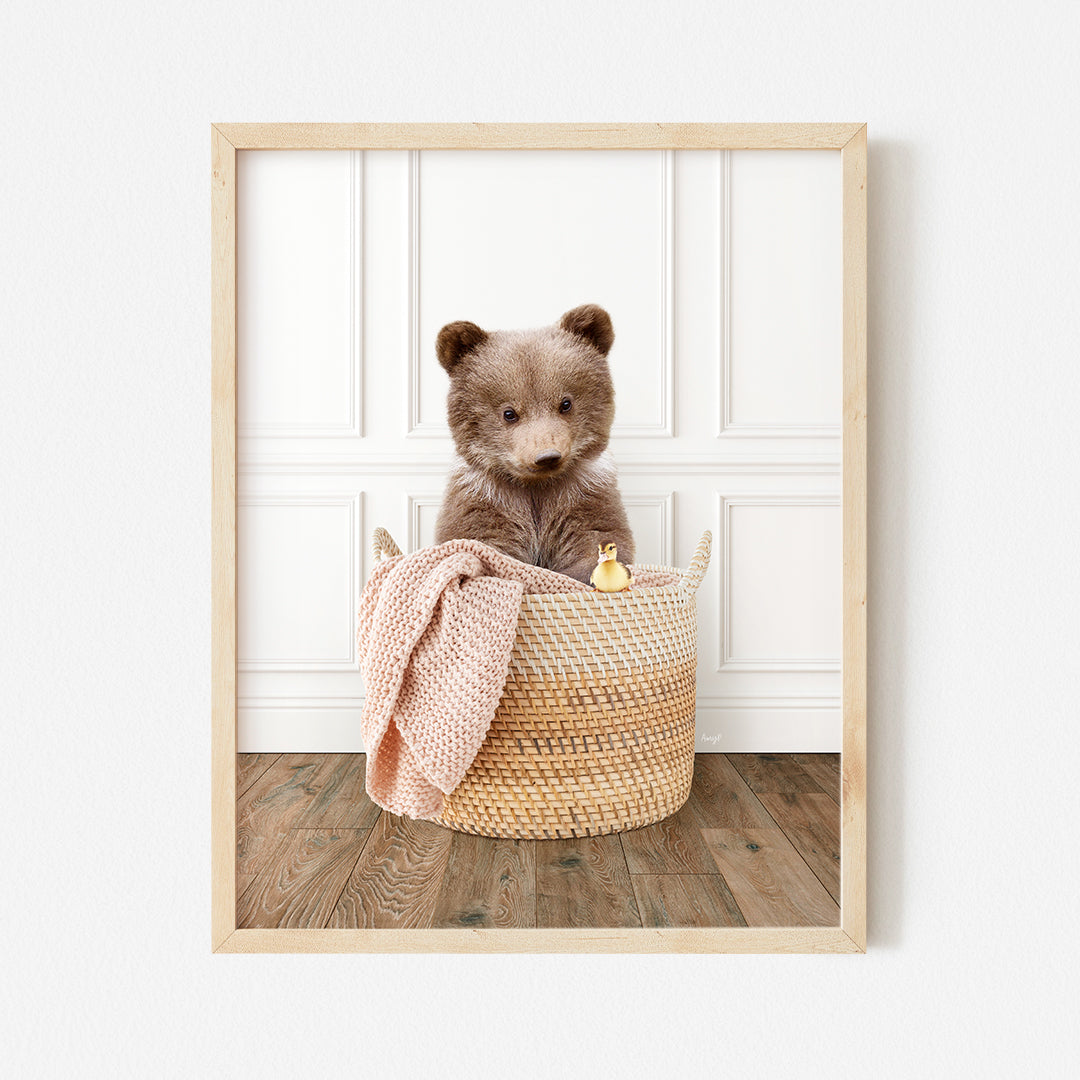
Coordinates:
[298,280]
[783,358]
[781,585]
[510,239]
[297,565]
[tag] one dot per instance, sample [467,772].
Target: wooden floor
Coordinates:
[757,844]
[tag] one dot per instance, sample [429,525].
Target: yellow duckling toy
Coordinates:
[610,575]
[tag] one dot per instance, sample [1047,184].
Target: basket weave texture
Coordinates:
[594,732]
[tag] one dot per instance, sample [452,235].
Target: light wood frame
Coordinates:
[226,140]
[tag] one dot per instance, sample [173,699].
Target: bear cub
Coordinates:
[530,412]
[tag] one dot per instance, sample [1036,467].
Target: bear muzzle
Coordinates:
[540,449]
[548,460]
[545,463]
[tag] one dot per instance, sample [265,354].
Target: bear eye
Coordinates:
[566,405]
[509,415]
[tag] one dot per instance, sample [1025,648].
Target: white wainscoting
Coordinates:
[722,276]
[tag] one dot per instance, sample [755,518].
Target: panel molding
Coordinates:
[741,730]
[726,427]
[353,427]
[413,505]
[263,729]
[769,701]
[664,501]
[725,662]
[426,464]
[664,427]
[300,701]
[416,428]
[709,464]
[352,501]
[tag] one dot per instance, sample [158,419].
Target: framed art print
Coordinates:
[731,261]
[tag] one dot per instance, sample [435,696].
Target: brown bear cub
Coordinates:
[531,412]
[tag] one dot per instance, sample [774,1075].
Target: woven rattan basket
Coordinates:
[595,729]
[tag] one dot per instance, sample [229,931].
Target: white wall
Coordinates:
[104,438]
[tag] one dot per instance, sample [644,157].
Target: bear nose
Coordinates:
[548,459]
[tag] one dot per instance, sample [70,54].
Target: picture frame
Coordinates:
[850,141]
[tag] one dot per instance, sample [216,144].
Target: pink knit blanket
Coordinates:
[435,633]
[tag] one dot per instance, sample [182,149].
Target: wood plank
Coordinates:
[671,846]
[271,806]
[769,880]
[249,767]
[772,772]
[721,798]
[584,882]
[301,887]
[812,823]
[341,801]
[267,863]
[488,882]
[824,770]
[243,881]
[685,900]
[397,879]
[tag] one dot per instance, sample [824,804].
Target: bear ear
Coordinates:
[593,324]
[455,341]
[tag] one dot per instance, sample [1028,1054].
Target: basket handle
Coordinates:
[691,579]
[382,544]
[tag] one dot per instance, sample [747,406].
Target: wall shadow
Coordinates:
[894,246]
